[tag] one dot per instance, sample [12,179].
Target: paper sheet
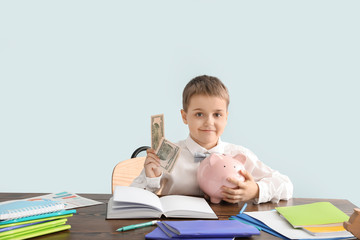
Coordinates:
[71,200]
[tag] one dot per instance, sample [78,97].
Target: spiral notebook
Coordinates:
[23,208]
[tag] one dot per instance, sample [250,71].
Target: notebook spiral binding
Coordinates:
[47,207]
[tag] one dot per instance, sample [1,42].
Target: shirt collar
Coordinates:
[194,147]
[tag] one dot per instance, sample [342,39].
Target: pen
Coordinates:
[243,208]
[135,226]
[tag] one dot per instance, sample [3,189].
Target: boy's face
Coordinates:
[206,117]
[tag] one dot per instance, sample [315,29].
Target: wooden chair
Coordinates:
[126,171]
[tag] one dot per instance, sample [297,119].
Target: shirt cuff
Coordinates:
[153,182]
[262,193]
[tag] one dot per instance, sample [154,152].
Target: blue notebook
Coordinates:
[208,229]
[258,224]
[160,233]
[23,208]
[211,228]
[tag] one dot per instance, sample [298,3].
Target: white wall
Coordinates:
[80,79]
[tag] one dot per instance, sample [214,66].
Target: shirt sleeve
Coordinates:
[144,182]
[273,186]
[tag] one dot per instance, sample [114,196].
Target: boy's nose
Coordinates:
[209,120]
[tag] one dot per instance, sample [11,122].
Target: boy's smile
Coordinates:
[206,117]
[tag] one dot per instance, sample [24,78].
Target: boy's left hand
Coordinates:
[243,192]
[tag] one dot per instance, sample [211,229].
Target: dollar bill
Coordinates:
[157,130]
[168,153]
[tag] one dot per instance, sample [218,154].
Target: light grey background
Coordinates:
[80,80]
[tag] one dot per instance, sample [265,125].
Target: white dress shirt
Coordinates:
[273,186]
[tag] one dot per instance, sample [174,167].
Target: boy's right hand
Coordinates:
[152,164]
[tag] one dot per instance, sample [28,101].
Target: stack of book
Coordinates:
[320,220]
[202,229]
[24,219]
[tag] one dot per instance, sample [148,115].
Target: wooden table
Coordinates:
[90,223]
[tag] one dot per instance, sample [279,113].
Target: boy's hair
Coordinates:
[205,85]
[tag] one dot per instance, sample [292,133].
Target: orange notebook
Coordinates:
[323,231]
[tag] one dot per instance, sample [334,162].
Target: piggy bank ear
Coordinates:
[241,158]
[213,159]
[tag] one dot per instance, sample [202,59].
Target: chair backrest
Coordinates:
[126,171]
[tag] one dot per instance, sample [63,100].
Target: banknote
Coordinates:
[157,130]
[168,153]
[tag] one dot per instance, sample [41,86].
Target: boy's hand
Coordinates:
[152,164]
[243,192]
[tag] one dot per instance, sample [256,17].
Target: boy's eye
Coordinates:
[199,114]
[217,115]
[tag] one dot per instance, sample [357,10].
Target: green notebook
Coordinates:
[37,233]
[313,214]
[35,230]
[35,221]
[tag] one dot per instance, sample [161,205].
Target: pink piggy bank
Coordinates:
[214,170]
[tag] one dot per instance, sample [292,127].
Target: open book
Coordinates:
[132,202]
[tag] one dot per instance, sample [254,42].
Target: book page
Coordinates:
[134,211]
[186,206]
[71,200]
[136,196]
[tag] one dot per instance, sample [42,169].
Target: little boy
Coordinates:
[205,111]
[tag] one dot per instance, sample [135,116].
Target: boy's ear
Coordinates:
[184,116]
